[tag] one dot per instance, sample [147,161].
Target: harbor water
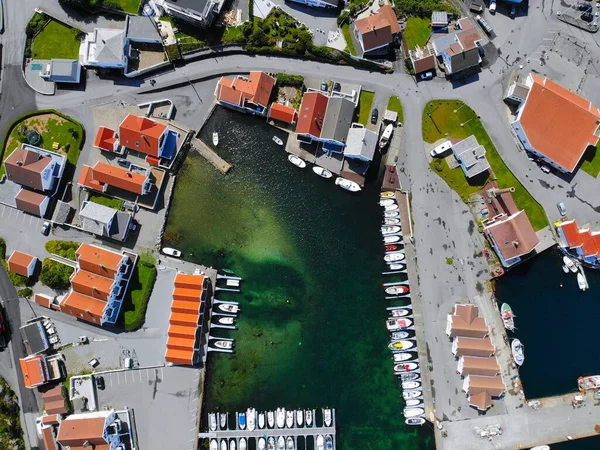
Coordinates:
[311,331]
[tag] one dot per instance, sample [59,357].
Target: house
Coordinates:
[62,71]
[102,176]
[311,116]
[471,365]
[471,156]
[106,139]
[201,13]
[141,29]
[34,337]
[517,93]
[48,437]
[459,52]
[147,136]
[465,346]
[319,3]
[465,322]
[104,48]
[55,400]
[22,263]
[246,93]
[360,143]
[32,202]
[556,124]
[377,31]
[35,168]
[511,236]
[337,122]
[439,19]
[283,113]
[38,370]
[105,221]
[584,243]
[423,59]
[481,390]
[99,430]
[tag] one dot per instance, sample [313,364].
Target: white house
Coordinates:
[104,48]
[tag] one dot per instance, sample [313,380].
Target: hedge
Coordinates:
[284,79]
[66,249]
[55,275]
[133,311]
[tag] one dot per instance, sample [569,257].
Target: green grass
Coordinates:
[348,37]
[115,203]
[133,311]
[394,104]
[364,106]
[66,249]
[591,162]
[233,35]
[417,32]
[130,6]
[56,41]
[55,275]
[440,121]
[15,279]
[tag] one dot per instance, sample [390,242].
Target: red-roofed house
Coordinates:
[556,124]
[106,139]
[311,116]
[377,31]
[22,263]
[246,93]
[511,236]
[99,430]
[103,175]
[38,370]
[584,243]
[568,232]
[148,136]
[32,202]
[283,113]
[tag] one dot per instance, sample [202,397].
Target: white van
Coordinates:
[442,148]
[493,7]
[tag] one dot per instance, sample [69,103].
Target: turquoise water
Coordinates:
[311,331]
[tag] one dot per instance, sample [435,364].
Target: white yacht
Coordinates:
[280,417]
[271,419]
[327,417]
[289,419]
[299,417]
[261,420]
[251,419]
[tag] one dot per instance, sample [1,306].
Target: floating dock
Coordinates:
[210,155]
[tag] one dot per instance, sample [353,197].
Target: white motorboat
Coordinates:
[397,324]
[280,443]
[277,140]
[386,136]
[387,194]
[399,312]
[391,214]
[398,335]
[224,444]
[289,419]
[289,443]
[394,257]
[214,445]
[309,417]
[410,384]
[212,421]
[232,283]
[171,252]
[280,417]
[410,403]
[390,229]
[348,185]
[261,420]
[242,421]
[328,441]
[320,442]
[391,239]
[517,351]
[565,269]
[322,172]
[271,419]
[411,393]
[582,282]
[232,444]
[589,383]
[298,162]
[243,445]
[540,447]
[415,421]
[327,417]
[393,207]
[410,376]
[299,417]
[387,201]
[399,357]
[570,263]
[251,419]
[406,367]
[396,266]
[215,138]
[228,307]
[225,345]
[391,221]
[224,320]
[401,345]
[262,444]
[223,420]
[413,412]
[397,290]
[271,443]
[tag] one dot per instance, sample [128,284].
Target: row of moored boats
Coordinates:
[344,183]
[574,266]
[400,321]
[508,319]
[269,443]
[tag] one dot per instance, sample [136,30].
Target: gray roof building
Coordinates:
[63,71]
[104,221]
[142,29]
[34,337]
[198,12]
[439,19]
[103,47]
[471,156]
[360,144]
[338,119]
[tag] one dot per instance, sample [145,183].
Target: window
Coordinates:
[137,144]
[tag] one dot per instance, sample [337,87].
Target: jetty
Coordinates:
[210,155]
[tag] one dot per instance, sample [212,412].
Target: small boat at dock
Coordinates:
[399,335]
[588,383]
[400,357]
[397,290]
[391,221]
[386,136]
[271,419]
[391,239]
[400,345]
[280,443]
[223,420]
[411,403]
[412,393]
[271,443]
[409,377]
[215,138]
[322,172]
[309,417]
[570,263]
[298,162]
[224,320]
[299,417]
[212,421]
[224,444]
[261,420]
[387,201]
[507,317]
[277,140]
[416,421]
[327,417]
[396,266]
[243,445]
[171,252]
[393,207]
[346,184]
[413,412]
[397,324]
[320,442]
[289,443]
[214,445]
[262,444]
[228,307]
[391,214]
[289,419]
[328,441]
[224,345]
[242,421]
[565,269]
[387,194]
[394,257]
[517,351]
[406,367]
[251,419]
[391,248]
[280,417]
[399,313]
[582,281]
[410,384]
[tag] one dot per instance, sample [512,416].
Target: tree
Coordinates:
[55,274]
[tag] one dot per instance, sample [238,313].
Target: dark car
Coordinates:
[374,116]
[46,228]
[337,87]
[324,86]
[100,383]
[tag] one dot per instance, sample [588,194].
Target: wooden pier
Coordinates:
[210,155]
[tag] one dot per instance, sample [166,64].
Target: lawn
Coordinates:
[591,162]
[57,41]
[133,311]
[394,104]
[115,203]
[130,6]
[233,35]
[348,37]
[417,32]
[364,106]
[440,121]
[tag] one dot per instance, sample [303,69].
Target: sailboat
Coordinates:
[507,317]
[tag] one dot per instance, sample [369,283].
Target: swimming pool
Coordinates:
[36,67]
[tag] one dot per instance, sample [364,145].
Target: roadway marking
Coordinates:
[111,381]
[140,373]
[3,209]
[30,220]
[23,221]
[118,378]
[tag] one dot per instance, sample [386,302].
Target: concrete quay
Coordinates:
[211,156]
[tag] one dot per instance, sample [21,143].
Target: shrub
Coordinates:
[284,79]
[2,248]
[173,52]
[36,23]
[136,301]
[147,260]
[25,292]
[409,66]
[55,274]
[15,279]
[66,249]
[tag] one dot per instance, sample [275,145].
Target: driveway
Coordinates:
[319,20]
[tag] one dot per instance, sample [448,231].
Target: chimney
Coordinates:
[516,244]
[20,163]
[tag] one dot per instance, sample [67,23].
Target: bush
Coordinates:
[284,79]
[409,66]
[55,275]
[15,279]
[66,249]
[133,311]
[36,24]
[2,248]
[147,260]
[25,292]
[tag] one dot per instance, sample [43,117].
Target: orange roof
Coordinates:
[558,123]
[179,356]
[141,134]
[589,245]
[183,319]
[54,400]
[466,322]
[42,299]
[189,281]
[378,29]
[48,437]
[283,113]
[181,343]
[105,139]
[255,88]
[50,420]
[184,331]
[98,260]
[86,179]
[514,235]
[191,295]
[83,307]
[312,113]
[76,429]
[34,370]
[182,306]
[118,177]
[571,232]
[20,262]
[152,160]
[93,285]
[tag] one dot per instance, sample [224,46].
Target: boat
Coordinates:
[271,443]
[215,138]
[385,137]
[251,418]
[387,201]
[224,444]
[261,420]
[398,335]
[401,345]
[507,317]
[280,417]
[277,140]
[588,383]
[397,290]
[280,443]
[320,442]
[413,412]
[393,207]
[570,263]
[391,214]
[228,307]
[224,320]
[242,421]
[396,266]
[232,444]
[565,269]
[409,376]
[391,239]
[393,257]
[212,421]
[298,162]
[327,417]
[223,420]
[397,324]
[328,441]
[415,421]
[262,444]
[386,194]
[346,184]
[214,445]
[582,282]
[410,384]
[271,419]
[289,443]
[391,221]
[406,367]
[225,345]
[289,419]
[391,248]
[171,252]
[308,415]
[540,447]
[517,351]
[399,312]
[390,229]
[399,357]
[411,394]
[243,445]
[410,403]
[322,172]
[232,283]
[299,417]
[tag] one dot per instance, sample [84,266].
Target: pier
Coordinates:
[210,155]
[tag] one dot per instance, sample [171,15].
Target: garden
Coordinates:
[48,39]
[128,6]
[66,249]
[591,162]
[417,32]
[55,275]
[364,106]
[111,202]
[133,311]
[394,104]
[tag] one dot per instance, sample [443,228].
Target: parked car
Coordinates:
[374,116]
[476,7]
[46,228]
[100,382]
[426,76]
[324,86]
[337,87]
[124,163]
[545,168]
[493,6]
[562,209]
